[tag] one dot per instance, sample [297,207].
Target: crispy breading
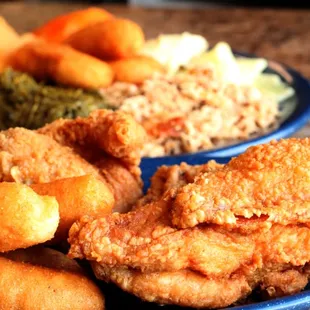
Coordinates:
[135,69]
[184,288]
[174,177]
[104,145]
[116,133]
[144,239]
[29,157]
[271,179]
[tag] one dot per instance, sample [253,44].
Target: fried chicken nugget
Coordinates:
[109,40]
[76,197]
[26,218]
[41,278]
[61,27]
[62,64]
[135,69]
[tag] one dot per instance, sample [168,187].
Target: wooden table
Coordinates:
[283,35]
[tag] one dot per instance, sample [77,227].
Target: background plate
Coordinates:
[300,114]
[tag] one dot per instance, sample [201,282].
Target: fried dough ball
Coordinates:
[62,64]
[76,197]
[109,40]
[41,278]
[136,69]
[26,218]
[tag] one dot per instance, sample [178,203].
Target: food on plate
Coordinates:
[27,103]
[173,177]
[187,96]
[76,197]
[135,69]
[44,278]
[260,241]
[174,50]
[9,37]
[193,110]
[61,27]
[109,40]
[244,71]
[271,181]
[273,87]
[115,133]
[105,145]
[27,218]
[61,64]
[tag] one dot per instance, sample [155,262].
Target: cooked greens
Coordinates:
[27,103]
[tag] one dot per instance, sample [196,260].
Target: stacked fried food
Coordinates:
[86,48]
[207,236]
[38,277]
[50,178]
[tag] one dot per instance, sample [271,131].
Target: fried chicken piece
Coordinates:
[125,182]
[27,218]
[174,177]
[271,179]
[104,132]
[41,278]
[144,253]
[145,239]
[190,289]
[103,145]
[142,246]
[115,133]
[76,197]
[29,157]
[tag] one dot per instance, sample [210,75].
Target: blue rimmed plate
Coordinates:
[299,106]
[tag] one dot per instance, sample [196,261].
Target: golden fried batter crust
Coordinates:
[104,145]
[271,179]
[212,264]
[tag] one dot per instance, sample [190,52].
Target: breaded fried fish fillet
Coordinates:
[214,262]
[105,145]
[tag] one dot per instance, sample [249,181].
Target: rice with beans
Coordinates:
[193,110]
